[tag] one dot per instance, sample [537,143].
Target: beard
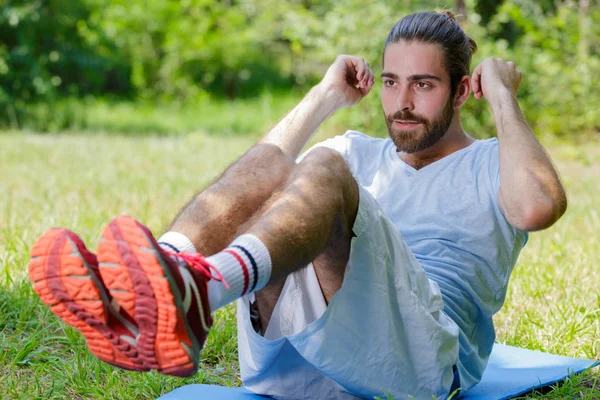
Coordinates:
[423,136]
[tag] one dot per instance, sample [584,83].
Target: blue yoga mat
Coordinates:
[511,372]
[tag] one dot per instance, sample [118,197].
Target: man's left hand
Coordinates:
[493,78]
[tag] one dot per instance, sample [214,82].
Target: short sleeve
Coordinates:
[338,143]
[494,174]
[494,167]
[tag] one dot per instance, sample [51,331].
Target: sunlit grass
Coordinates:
[82,182]
[139,118]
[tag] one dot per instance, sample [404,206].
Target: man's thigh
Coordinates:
[329,268]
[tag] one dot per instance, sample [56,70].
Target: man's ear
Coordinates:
[463,91]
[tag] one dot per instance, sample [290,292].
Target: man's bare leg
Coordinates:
[301,212]
[318,203]
[213,218]
[311,219]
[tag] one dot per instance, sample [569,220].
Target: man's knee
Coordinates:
[324,156]
[268,154]
[264,162]
[326,171]
[326,164]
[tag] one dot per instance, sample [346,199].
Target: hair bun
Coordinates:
[448,14]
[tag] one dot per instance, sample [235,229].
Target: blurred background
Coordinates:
[227,67]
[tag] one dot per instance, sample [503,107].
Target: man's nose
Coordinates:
[404,101]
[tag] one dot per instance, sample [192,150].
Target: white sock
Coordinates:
[177,242]
[245,265]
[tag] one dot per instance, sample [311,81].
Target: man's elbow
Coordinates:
[541,214]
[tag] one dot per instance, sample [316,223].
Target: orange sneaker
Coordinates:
[167,299]
[137,306]
[65,275]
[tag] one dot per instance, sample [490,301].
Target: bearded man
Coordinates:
[368,266]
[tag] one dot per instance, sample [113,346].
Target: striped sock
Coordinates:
[245,265]
[176,242]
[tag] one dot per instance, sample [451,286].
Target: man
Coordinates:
[371,266]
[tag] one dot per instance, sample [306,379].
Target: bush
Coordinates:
[188,52]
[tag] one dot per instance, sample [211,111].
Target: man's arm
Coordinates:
[347,81]
[531,195]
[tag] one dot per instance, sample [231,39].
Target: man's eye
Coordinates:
[423,85]
[389,83]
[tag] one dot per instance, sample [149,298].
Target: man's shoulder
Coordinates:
[490,144]
[357,135]
[483,151]
[356,140]
[489,153]
[351,142]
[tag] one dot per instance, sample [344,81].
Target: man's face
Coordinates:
[416,95]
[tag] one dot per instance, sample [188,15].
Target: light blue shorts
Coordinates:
[384,332]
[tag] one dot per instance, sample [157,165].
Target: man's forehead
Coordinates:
[405,59]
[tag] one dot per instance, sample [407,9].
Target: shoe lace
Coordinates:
[199,263]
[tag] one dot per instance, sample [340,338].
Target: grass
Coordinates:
[82,182]
[211,116]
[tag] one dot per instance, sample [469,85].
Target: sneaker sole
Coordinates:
[138,278]
[62,272]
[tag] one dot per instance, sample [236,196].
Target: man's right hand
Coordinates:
[346,82]
[350,77]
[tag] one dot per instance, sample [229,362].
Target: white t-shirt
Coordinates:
[448,214]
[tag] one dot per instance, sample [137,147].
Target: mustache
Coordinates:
[406,116]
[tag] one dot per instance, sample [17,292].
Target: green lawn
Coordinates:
[82,182]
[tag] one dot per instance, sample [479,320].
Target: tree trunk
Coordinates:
[460,11]
[584,29]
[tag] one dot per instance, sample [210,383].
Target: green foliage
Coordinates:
[184,53]
[559,56]
[49,49]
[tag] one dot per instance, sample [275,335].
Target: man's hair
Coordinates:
[442,29]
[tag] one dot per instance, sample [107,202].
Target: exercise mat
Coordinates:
[511,371]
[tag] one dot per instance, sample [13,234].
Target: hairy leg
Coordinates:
[214,217]
[301,212]
[310,219]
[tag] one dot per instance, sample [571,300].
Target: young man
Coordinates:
[371,266]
